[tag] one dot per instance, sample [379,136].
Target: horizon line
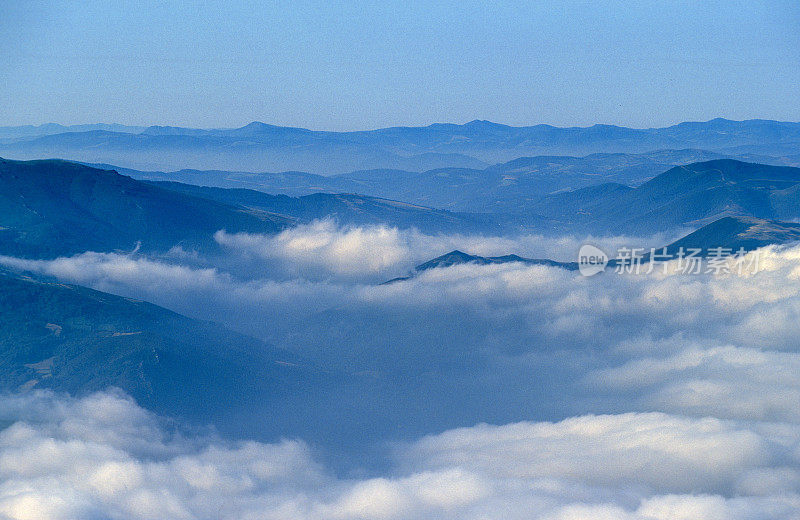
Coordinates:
[472,122]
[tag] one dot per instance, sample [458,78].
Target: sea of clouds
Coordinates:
[102,456]
[516,391]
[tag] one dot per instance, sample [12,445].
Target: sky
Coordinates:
[360,65]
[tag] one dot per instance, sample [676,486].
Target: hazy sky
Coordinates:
[357,65]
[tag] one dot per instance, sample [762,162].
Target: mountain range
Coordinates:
[501,187]
[263,147]
[527,199]
[56,208]
[15,132]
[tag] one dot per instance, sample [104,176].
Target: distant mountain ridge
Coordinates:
[263,147]
[506,187]
[15,132]
[521,195]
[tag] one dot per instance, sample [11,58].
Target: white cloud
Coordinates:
[104,457]
[653,450]
[323,250]
[726,381]
[692,380]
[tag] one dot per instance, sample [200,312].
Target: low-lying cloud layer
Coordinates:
[660,396]
[104,457]
[322,250]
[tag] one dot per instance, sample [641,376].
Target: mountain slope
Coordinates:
[50,208]
[346,208]
[74,339]
[739,232]
[684,196]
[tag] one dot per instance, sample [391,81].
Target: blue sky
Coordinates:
[358,65]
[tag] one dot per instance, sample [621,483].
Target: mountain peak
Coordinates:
[259,128]
[452,258]
[257,125]
[483,123]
